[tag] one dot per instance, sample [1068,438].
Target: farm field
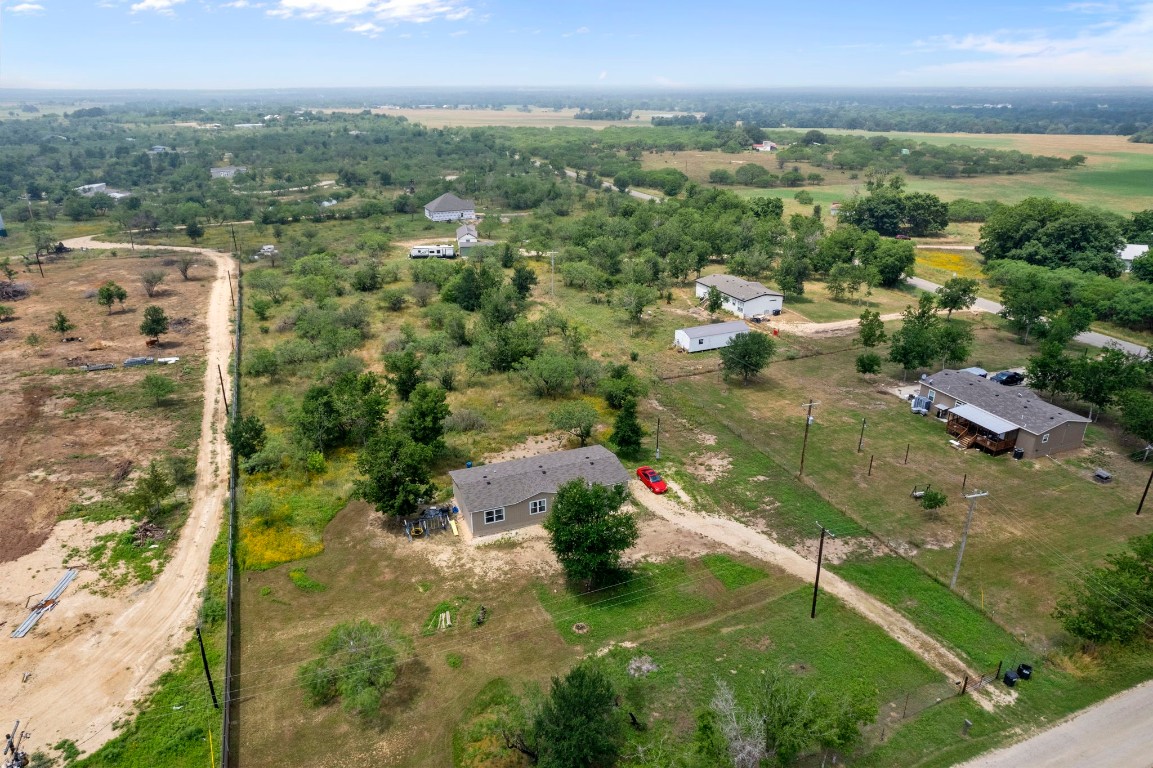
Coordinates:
[537,117]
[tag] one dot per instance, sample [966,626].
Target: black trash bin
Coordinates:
[1010,678]
[1018,453]
[1024,671]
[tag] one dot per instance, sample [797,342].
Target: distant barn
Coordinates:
[702,338]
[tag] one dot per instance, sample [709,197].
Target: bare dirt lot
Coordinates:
[88,660]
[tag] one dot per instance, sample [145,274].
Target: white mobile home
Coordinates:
[741,297]
[449,207]
[705,337]
[432,251]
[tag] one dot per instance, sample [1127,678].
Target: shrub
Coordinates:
[869,362]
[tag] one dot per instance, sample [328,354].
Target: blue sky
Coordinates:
[594,43]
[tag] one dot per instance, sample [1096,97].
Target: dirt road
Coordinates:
[742,538]
[1113,734]
[96,655]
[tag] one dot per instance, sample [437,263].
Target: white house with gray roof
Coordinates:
[449,207]
[702,338]
[1130,252]
[984,414]
[500,497]
[742,297]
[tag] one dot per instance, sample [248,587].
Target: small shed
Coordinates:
[702,338]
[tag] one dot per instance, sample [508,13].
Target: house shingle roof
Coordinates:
[741,290]
[448,203]
[465,229]
[510,482]
[1018,405]
[716,329]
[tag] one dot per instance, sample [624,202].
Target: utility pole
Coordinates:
[972,497]
[820,556]
[223,391]
[207,673]
[1146,493]
[235,249]
[805,443]
[659,440]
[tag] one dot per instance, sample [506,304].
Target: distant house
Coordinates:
[158,149]
[702,338]
[500,497]
[742,297]
[449,207]
[1130,252]
[226,171]
[466,236]
[984,414]
[267,250]
[88,190]
[766,146]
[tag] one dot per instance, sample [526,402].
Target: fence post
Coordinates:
[998,675]
[907,447]
[870,465]
[965,685]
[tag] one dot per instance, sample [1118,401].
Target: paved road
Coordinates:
[1117,733]
[609,185]
[1091,338]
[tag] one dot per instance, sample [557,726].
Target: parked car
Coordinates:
[1008,378]
[652,480]
[902,237]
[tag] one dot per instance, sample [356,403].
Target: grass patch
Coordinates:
[453,660]
[654,593]
[300,578]
[731,573]
[930,605]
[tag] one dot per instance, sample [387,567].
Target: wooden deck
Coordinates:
[969,435]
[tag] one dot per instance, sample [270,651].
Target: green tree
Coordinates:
[587,531]
[185,262]
[549,375]
[523,279]
[1099,380]
[1142,267]
[915,343]
[6,312]
[633,298]
[61,324]
[110,293]
[957,293]
[246,435]
[155,322]
[578,725]
[194,229]
[318,424]
[893,261]
[1051,370]
[271,282]
[395,471]
[404,368]
[1114,603]
[149,491]
[157,387]
[791,274]
[871,329]
[714,300]
[1137,413]
[627,431]
[747,354]
[358,662]
[619,385]
[925,214]
[954,343]
[424,416]
[869,362]
[1052,233]
[578,418]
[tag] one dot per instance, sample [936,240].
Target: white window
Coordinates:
[494,515]
[932,395]
[538,506]
[1045,438]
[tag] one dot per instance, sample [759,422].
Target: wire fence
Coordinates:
[230,601]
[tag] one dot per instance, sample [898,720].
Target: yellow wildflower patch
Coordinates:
[262,548]
[961,263]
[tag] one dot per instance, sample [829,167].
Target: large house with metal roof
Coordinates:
[500,497]
[984,414]
[742,297]
[449,207]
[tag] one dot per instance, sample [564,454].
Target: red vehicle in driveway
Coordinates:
[652,480]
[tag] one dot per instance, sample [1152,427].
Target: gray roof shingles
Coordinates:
[741,290]
[1018,405]
[510,482]
[448,202]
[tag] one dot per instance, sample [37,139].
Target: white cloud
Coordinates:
[26,8]
[1115,52]
[602,75]
[242,4]
[159,6]
[577,31]
[371,16]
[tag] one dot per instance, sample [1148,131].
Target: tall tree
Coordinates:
[957,293]
[871,328]
[714,300]
[747,354]
[155,322]
[404,368]
[954,342]
[246,435]
[627,431]
[1114,603]
[587,531]
[915,343]
[395,471]
[110,293]
[578,418]
[423,418]
[578,725]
